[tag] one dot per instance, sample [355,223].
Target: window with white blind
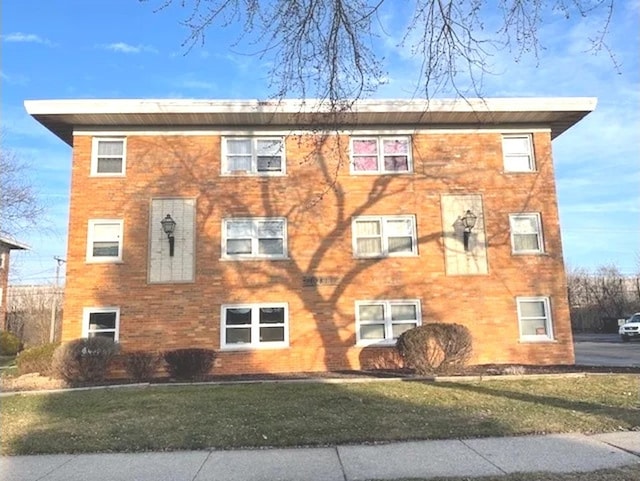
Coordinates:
[108,156]
[104,240]
[246,326]
[253,156]
[382,236]
[247,238]
[534,318]
[101,322]
[382,155]
[382,322]
[526,233]
[517,151]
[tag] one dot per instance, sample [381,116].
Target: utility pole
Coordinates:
[54,299]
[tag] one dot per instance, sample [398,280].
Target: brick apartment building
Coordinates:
[306,241]
[7,244]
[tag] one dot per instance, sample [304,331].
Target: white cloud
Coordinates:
[19,37]
[123,47]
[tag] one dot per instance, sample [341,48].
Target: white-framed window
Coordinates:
[382,322]
[382,236]
[517,151]
[108,156]
[253,155]
[526,233]
[101,322]
[2,259]
[534,318]
[381,155]
[249,326]
[254,238]
[104,240]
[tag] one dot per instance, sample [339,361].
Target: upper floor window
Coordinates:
[534,318]
[517,151]
[255,326]
[254,238]
[101,322]
[382,236]
[526,233]
[253,155]
[381,155]
[104,240]
[384,321]
[108,156]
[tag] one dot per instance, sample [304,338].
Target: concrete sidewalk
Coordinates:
[416,459]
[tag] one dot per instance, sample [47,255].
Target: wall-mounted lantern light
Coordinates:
[468,221]
[169,226]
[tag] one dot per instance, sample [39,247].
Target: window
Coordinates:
[254,238]
[526,233]
[108,156]
[384,321]
[255,326]
[534,318]
[518,153]
[383,155]
[253,155]
[384,236]
[104,242]
[2,259]
[101,322]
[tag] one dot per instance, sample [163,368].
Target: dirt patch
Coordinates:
[30,382]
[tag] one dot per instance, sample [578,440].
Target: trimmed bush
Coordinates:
[9,343]
[36,359]
[192,364]
[84,360]
[141,365]
[435,347]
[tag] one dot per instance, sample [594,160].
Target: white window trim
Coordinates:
[3,259]
[90,229]
[388,323]
[530,153]
[385,239]
[255,327]
[254,158]
[87,311]
[548,320]
[380,170]
[254,240]
[512,234]
[94,157]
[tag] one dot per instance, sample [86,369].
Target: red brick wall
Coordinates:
[318,197]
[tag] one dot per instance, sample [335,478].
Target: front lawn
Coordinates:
[294,414]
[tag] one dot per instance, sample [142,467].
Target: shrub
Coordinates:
[189,363]
[435,347]
[141,365]
[84,360]
[10,344]
[36,359]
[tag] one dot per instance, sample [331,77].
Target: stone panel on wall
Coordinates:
[162,266]
[459,261]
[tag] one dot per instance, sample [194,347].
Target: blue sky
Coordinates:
[122,49]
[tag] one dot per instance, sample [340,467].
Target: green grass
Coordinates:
[243,415]
[8,365]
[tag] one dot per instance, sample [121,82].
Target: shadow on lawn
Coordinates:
[235,416]
[631,416]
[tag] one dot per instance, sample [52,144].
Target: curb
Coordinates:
[424,379]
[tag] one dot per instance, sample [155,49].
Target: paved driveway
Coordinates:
[605,350]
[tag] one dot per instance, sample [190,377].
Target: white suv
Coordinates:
[631,328]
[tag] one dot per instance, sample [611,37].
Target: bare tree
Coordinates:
[331,49]
[20,207]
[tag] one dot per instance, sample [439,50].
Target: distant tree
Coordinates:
[20,207]
[331,49]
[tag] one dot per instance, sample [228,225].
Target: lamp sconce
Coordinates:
[468,221]
[169,226]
